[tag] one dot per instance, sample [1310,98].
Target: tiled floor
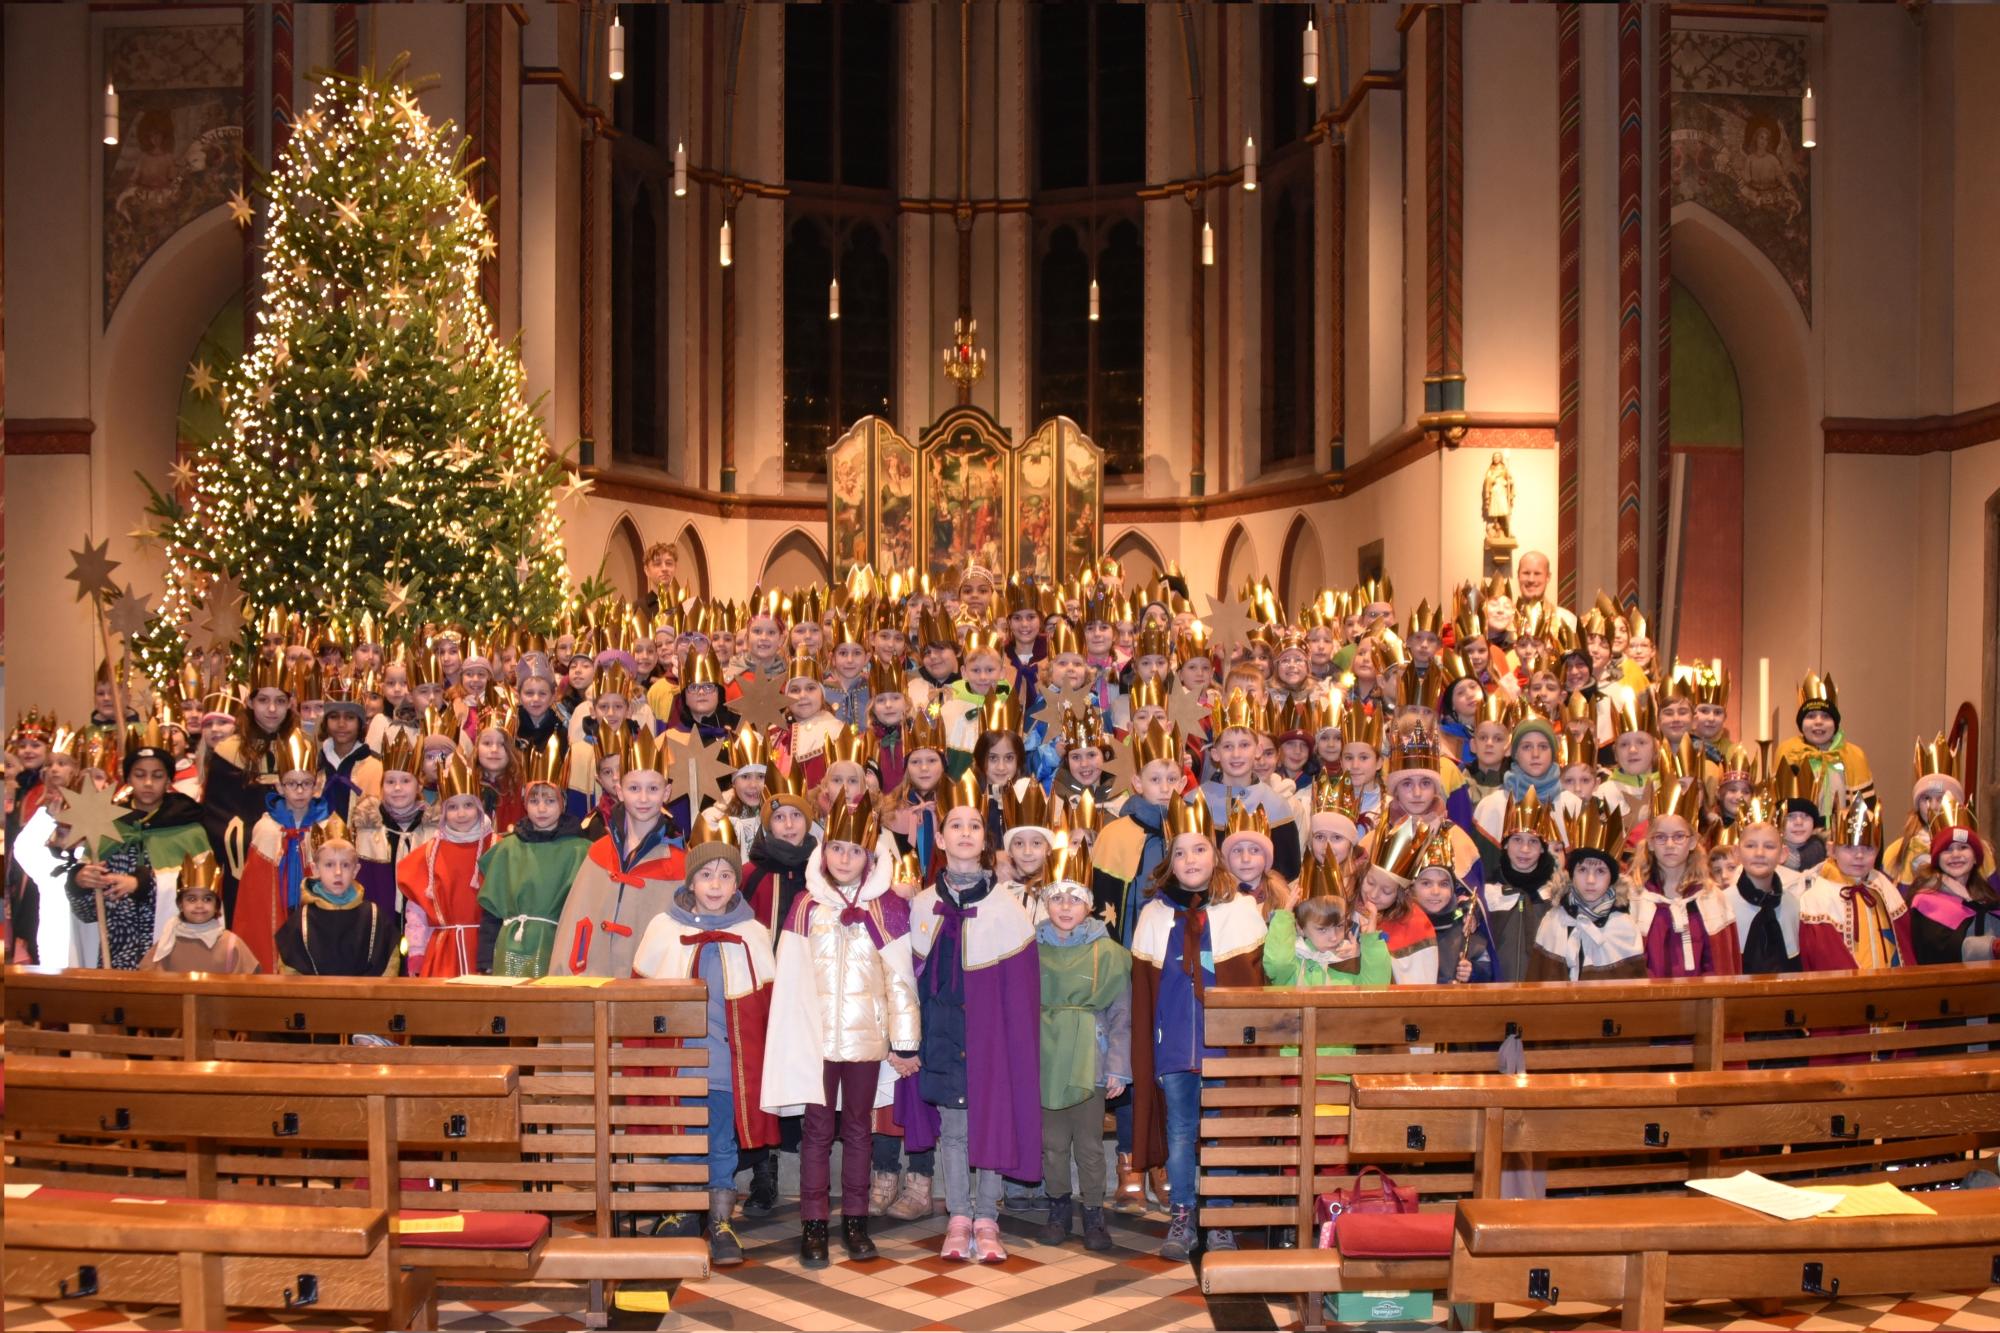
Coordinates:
[1038,1288]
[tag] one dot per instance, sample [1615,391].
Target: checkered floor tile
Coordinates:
[1039,1288]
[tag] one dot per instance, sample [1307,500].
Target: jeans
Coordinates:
[967,1192]
[889,1156]
[721,1158]
[1121,1115]
[1075,1129]
[1182,1095]
[852,1084]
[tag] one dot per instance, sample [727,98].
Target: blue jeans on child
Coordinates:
[1182,1095]
[721,1158]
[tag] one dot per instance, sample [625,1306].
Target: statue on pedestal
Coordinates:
[1496,507]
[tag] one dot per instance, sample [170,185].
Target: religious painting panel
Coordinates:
[962,491]
[1737,148]
[849,495]
[180,138]
[1034,525]
[1082,500]
[895,501]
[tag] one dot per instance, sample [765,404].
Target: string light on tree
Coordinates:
[367,426]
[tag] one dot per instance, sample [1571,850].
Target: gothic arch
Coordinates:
[794,560]
[624,562]
[1239,562]
[693,572]
[1138,557]
[1302,567]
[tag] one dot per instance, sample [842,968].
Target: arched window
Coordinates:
[840,221]
[641,169]
[1290,249]
[1090,100]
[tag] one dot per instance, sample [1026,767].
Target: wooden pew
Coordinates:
[1261,1102]
[92,1132]
[204,1255]
[585,1087]
[1646,1252]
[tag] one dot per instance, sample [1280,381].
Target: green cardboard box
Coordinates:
[1380,1307]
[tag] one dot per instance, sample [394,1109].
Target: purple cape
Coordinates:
[1003,1104]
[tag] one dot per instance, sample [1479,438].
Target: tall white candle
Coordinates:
[1763,698]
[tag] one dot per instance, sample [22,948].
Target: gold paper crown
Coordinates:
[1426,619]
[1000,712]
[962,792]
[1794,781]
[1572,750]
[1393,848]
[1415,751]
[403,753]
[1331,795]
[31,724]
[1028,810]
[1160,740]
[1153,642]
[1254,823]
[1083,731]
[1938,758]
[1062,639]
[294,752]
[804,667]
[1760,807]
[546,765]
[935,630]
[1817,691]
[848,746]
[199,870]
[65,740]
[985,641]
[1856,822]
[714,830]
[885,678]
[1741,764]
[332,829]
[1496,707]
[1189,817]
[1953,813]
[839,633]
[922,731]
[747,748]
[1437,852]
[1321,879]
[1527,814]
[267,672]
[1237,711]
[1147,694]
[1360,724]
[1677,796]
[456,778]
[1631,710]
[1086,813]
[781,781]
[1599,826]
[1069,868]
[701,668]
[851,821]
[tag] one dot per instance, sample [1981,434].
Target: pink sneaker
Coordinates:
[986,1246]
[957,1239]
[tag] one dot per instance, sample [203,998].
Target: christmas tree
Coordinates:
[377,451]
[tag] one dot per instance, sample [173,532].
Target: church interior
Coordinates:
[1613,388]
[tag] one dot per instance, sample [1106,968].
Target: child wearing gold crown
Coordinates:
[241,770]
[1386,904]
[1234,756]
[1247,854]
[389,827]
[1034,828]
[845,1020]
[628,876]
[526,876]
[1937,764]
[336,931]
[197,940]
[709,934]
[978,982]
[1589,933]
[1186,940]
[1956,916]
[800,742]
[1683,916]
[909,809]
[276,869]
[1851,916]
[1524,881]
[1837,764]
[1764,900]
[440,880]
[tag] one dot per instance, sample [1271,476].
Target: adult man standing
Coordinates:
[1531,573]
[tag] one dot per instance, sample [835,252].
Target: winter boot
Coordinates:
[1056,1230]
[724,1249]
[812,1244]
[1180,1234]
[882,1190]
[854,1235]
[763,1198]
[914,1203]
[1096,1235]
[1131,1197]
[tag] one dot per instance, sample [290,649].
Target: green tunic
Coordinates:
[1078,982]
[524,882]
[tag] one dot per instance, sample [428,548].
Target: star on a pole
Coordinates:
[1056,702]
[762,701]
[129,614]
[201,379]
[239,208]
[1227,621]
[705,766]
[89,817]
[91,570]
[1118,763]
[1186,712]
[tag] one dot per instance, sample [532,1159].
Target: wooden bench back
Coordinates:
[1263,1096]
[592,1063]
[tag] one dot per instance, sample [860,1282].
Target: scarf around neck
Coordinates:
[1517,784]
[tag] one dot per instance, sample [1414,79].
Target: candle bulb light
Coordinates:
[1207,244]
[680,170]
[1249,162]
[1808,120]
[833,299]
[617,62]
[1093,301]
[728,247]
[110,114]
[1309,56]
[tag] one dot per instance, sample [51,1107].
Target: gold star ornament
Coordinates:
[91,570]
[89,817]
[239,209]
[201,379]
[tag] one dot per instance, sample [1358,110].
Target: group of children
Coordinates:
[975,828]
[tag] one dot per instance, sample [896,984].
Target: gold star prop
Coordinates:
[239,208]
[250,507]
[201,379]
[406,102]
[365,118]
[91,569]
[1186,711]
[705,767]
[1056,702]
[762,702]
[349,213]
[1228,622]
[1118,763]
[301,271]
[358,372]
[89,817]
[572,488]
[129,615]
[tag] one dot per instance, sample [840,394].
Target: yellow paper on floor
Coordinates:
[1881,1199]
[424,1226]
[644,1300]
[569,981]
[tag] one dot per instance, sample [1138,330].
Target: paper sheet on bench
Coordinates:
[20,1191]
[1751,1190]
[569,981]
[480,979]
[1881,1199]
[417,1226]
